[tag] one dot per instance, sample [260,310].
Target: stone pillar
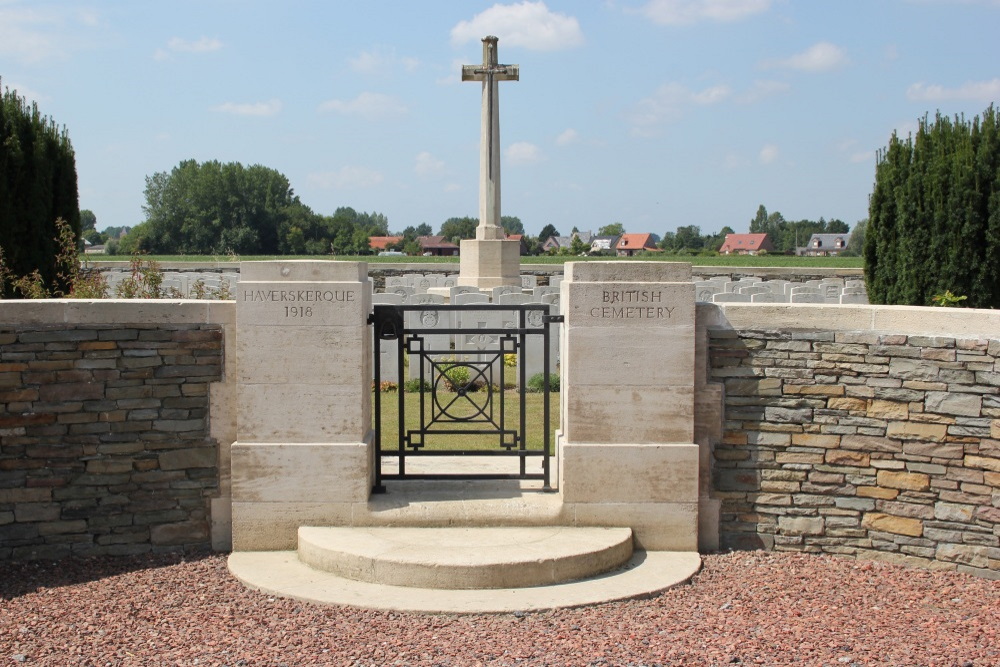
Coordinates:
[303,454]
[626,444]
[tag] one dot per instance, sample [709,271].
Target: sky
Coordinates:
[652,113]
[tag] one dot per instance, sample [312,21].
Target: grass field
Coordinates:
[696,260]
[461,407]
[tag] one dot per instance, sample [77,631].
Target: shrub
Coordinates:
[948,300]
[143,283]
[536,383]
[415,386]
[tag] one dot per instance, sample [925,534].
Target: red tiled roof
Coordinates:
[380,242]
[736,242]
[627,241]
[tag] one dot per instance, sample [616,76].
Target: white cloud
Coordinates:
[975,91]
[202,45]
[368,105]
[523,152]
[850,148]
[29,94]
[89,17]
[452,187]
[768,154]
[381,61]
[819,57]
[270,108]
[734,161]
[427,165]
[567,137]
[346,178]
[181,45]
[669,102]
[761,90]
[33,35]
[527,24]
[686,12]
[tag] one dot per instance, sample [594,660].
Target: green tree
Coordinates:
[547,232]
[214,208]
[37,187]
[511,224]
[758,225]
[856,244]
[715,242]
[934,214]
[614,229]
[688,238]
[88,221]
[456,229]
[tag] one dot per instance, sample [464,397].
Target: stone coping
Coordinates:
[912,320]
[909,320]
[19,312]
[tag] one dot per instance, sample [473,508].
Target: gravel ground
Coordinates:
[750,608]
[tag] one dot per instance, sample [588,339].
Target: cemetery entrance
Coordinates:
[463,374]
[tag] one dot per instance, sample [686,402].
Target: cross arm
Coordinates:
[498,73]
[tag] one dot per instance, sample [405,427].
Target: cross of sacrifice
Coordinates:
[490,73]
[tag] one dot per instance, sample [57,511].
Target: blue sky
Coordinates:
[652,113]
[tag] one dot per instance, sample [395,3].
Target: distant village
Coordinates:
[622,245]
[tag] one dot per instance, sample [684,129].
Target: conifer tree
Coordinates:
[934,214]
[37,187]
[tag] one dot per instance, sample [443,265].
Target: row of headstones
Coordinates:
[753,290]
[420,282]
[713,290]
[482,349]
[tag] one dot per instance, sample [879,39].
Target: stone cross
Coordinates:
[490,73]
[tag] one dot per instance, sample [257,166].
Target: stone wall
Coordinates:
[849,435]
[104,428]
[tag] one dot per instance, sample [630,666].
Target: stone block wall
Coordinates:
[104,434]
[861,442]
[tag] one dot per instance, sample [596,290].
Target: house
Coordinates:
[746,244]
[631,244]
[521,242]
[436,246]
[603,243]
[559,242]
[825,244]
[379,243]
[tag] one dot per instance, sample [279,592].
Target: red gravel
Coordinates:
[750,608]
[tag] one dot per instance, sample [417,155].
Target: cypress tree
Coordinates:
[37,186]
[934,214]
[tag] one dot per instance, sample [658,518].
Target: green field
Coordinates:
[696,260]
[534,420]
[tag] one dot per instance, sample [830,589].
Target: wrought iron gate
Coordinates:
[462,374]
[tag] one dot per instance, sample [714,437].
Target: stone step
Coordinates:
[465,558]
[281,573]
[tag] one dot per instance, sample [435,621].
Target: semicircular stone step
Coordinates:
[465,558]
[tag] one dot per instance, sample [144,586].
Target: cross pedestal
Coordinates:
[489,260]
[489,263]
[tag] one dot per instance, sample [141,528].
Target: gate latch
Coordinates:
[388,322]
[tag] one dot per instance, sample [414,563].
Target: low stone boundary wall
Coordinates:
[104,427]
[872,432]
[869,431]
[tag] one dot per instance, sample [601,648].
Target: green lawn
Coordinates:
[463,407]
